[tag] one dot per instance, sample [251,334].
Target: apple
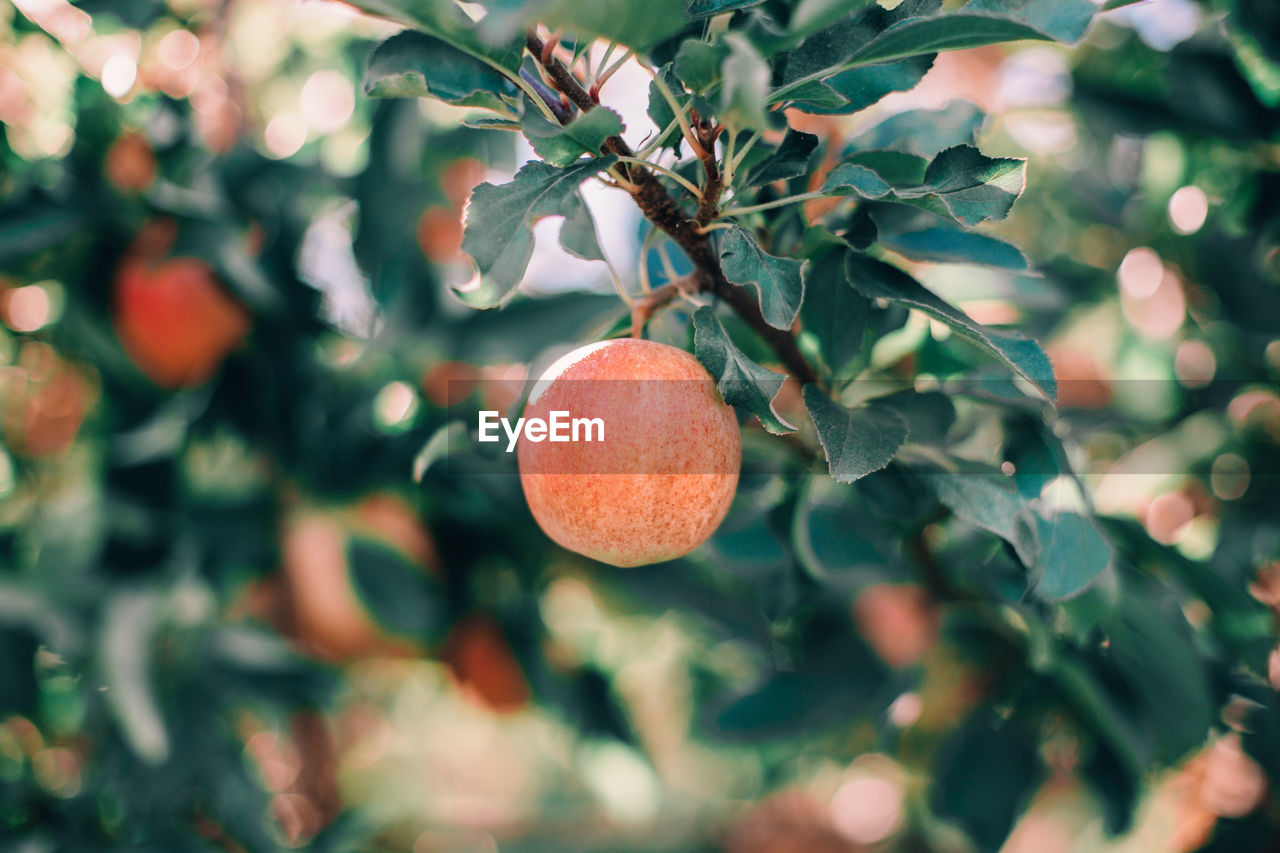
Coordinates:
[899,621]
[482,663]
[440,228]
[43,401]
[315,602]
[660,482]
[440,234]
[130,164]
[174,319]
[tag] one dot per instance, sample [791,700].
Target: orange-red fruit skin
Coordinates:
[175,321]
[130,163]
[482,662]
[626,504]
[318,604]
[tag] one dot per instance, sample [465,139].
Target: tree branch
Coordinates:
[709,206]
[662,210]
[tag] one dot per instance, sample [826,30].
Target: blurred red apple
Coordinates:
[130,164]
[481,661]
[314,600]
[43,401]
[175,320]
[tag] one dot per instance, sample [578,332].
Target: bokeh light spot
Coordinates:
[178,49]
[285,134]
[327,101]
[7,479]
[1194,364]
[1167,515]
[1188,209]
[27,308]
[1140,273]
[905,710]
[395,405]
[867,808]
[1229,476]
[1160,313]
[118,75]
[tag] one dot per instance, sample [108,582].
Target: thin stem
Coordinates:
[727,171]
[648,148]
[608,52]
[627,298]
[622,182]
[680,179]
[741,155]
[533,96]
[685,129]
[645,308]
[668,268]
[604,76]
[777,202]
[715,226]
[646,246]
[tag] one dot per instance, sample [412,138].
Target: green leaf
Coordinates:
[836,536]
[809,16]
[499,229]
[952,245]
[929,414]
[696,10]
[447,437]
[878,280]
[874,36]
[698,64]
[981,22]
[443,20]
[812,72]
[1008,762]
[578,232]
[30,226]
[1156,656]
[741,381]
[1073,552]
[415,65]
[790,160]
[854,179]
[790,703]
[746,85]
[897,168]
[638,25]
[28,610]
[923,133]
[128,623]
[857,441]
[989,500]
[968,186]
[833,312]
[660,112]
[491,123]
[585,134]
[396,591]
[860,232]
[778,281]
[961,183]
[858,88]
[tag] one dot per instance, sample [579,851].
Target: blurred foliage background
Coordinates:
[235,613]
